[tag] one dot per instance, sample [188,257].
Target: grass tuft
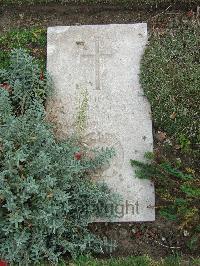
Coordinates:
[170,78]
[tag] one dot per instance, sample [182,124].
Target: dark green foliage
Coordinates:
[32,39]
[47,197]
[26,80]
[170,78]
[178,192]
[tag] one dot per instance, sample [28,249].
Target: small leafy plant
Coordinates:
[47,196]
[178,192]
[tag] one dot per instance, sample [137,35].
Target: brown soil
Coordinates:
[52,15]
[159,238]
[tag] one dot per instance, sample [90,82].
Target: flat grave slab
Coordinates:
[95,72]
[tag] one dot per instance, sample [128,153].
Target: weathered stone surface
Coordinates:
[95,71]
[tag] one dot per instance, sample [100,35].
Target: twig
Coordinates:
[166,245]
[198,11]
[162,12]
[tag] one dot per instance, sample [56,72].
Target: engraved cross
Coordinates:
[97,56]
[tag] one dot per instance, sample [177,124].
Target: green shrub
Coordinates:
[177,192]
[170,78]
[28,83]
[47,197]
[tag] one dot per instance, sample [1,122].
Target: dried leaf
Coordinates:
[161,136]
[173,115]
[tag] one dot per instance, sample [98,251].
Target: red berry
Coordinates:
[78,155]
[7,87]
[41,76]
[138,234]
[190,13]
[3,263]
[4,84]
